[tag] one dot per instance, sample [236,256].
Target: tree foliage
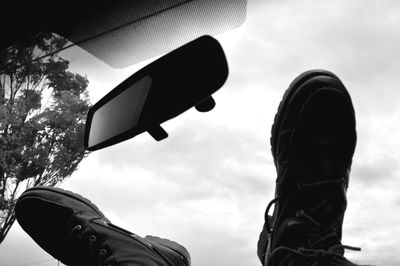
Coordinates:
[43,109]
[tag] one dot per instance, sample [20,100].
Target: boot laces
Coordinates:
[84,236]
[313,253]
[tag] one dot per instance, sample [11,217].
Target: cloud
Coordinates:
[201,153]
[378,172]
[354,39]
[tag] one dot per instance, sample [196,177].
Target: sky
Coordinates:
[207,185]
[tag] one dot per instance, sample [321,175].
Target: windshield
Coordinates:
[208,183]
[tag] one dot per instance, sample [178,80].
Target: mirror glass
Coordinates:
[120,114]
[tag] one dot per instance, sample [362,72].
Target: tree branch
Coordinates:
[11,97]
[6,227]
[10,218]
[2,91]
[38,180]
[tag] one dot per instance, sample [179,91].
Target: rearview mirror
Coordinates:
[162,90]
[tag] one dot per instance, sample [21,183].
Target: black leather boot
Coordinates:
[312,142]
[75,232]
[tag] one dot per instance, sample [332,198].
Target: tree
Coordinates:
[43,110]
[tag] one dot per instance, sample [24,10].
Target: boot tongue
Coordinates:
[326,169]
[326,160]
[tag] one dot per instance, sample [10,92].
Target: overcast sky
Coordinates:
[207,185]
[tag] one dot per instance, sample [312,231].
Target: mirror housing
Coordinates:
[162,90]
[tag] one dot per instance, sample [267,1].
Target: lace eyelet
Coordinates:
[76,228]
[299,213]
[299,186]
[92,238]
[300,249]
[102,252]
